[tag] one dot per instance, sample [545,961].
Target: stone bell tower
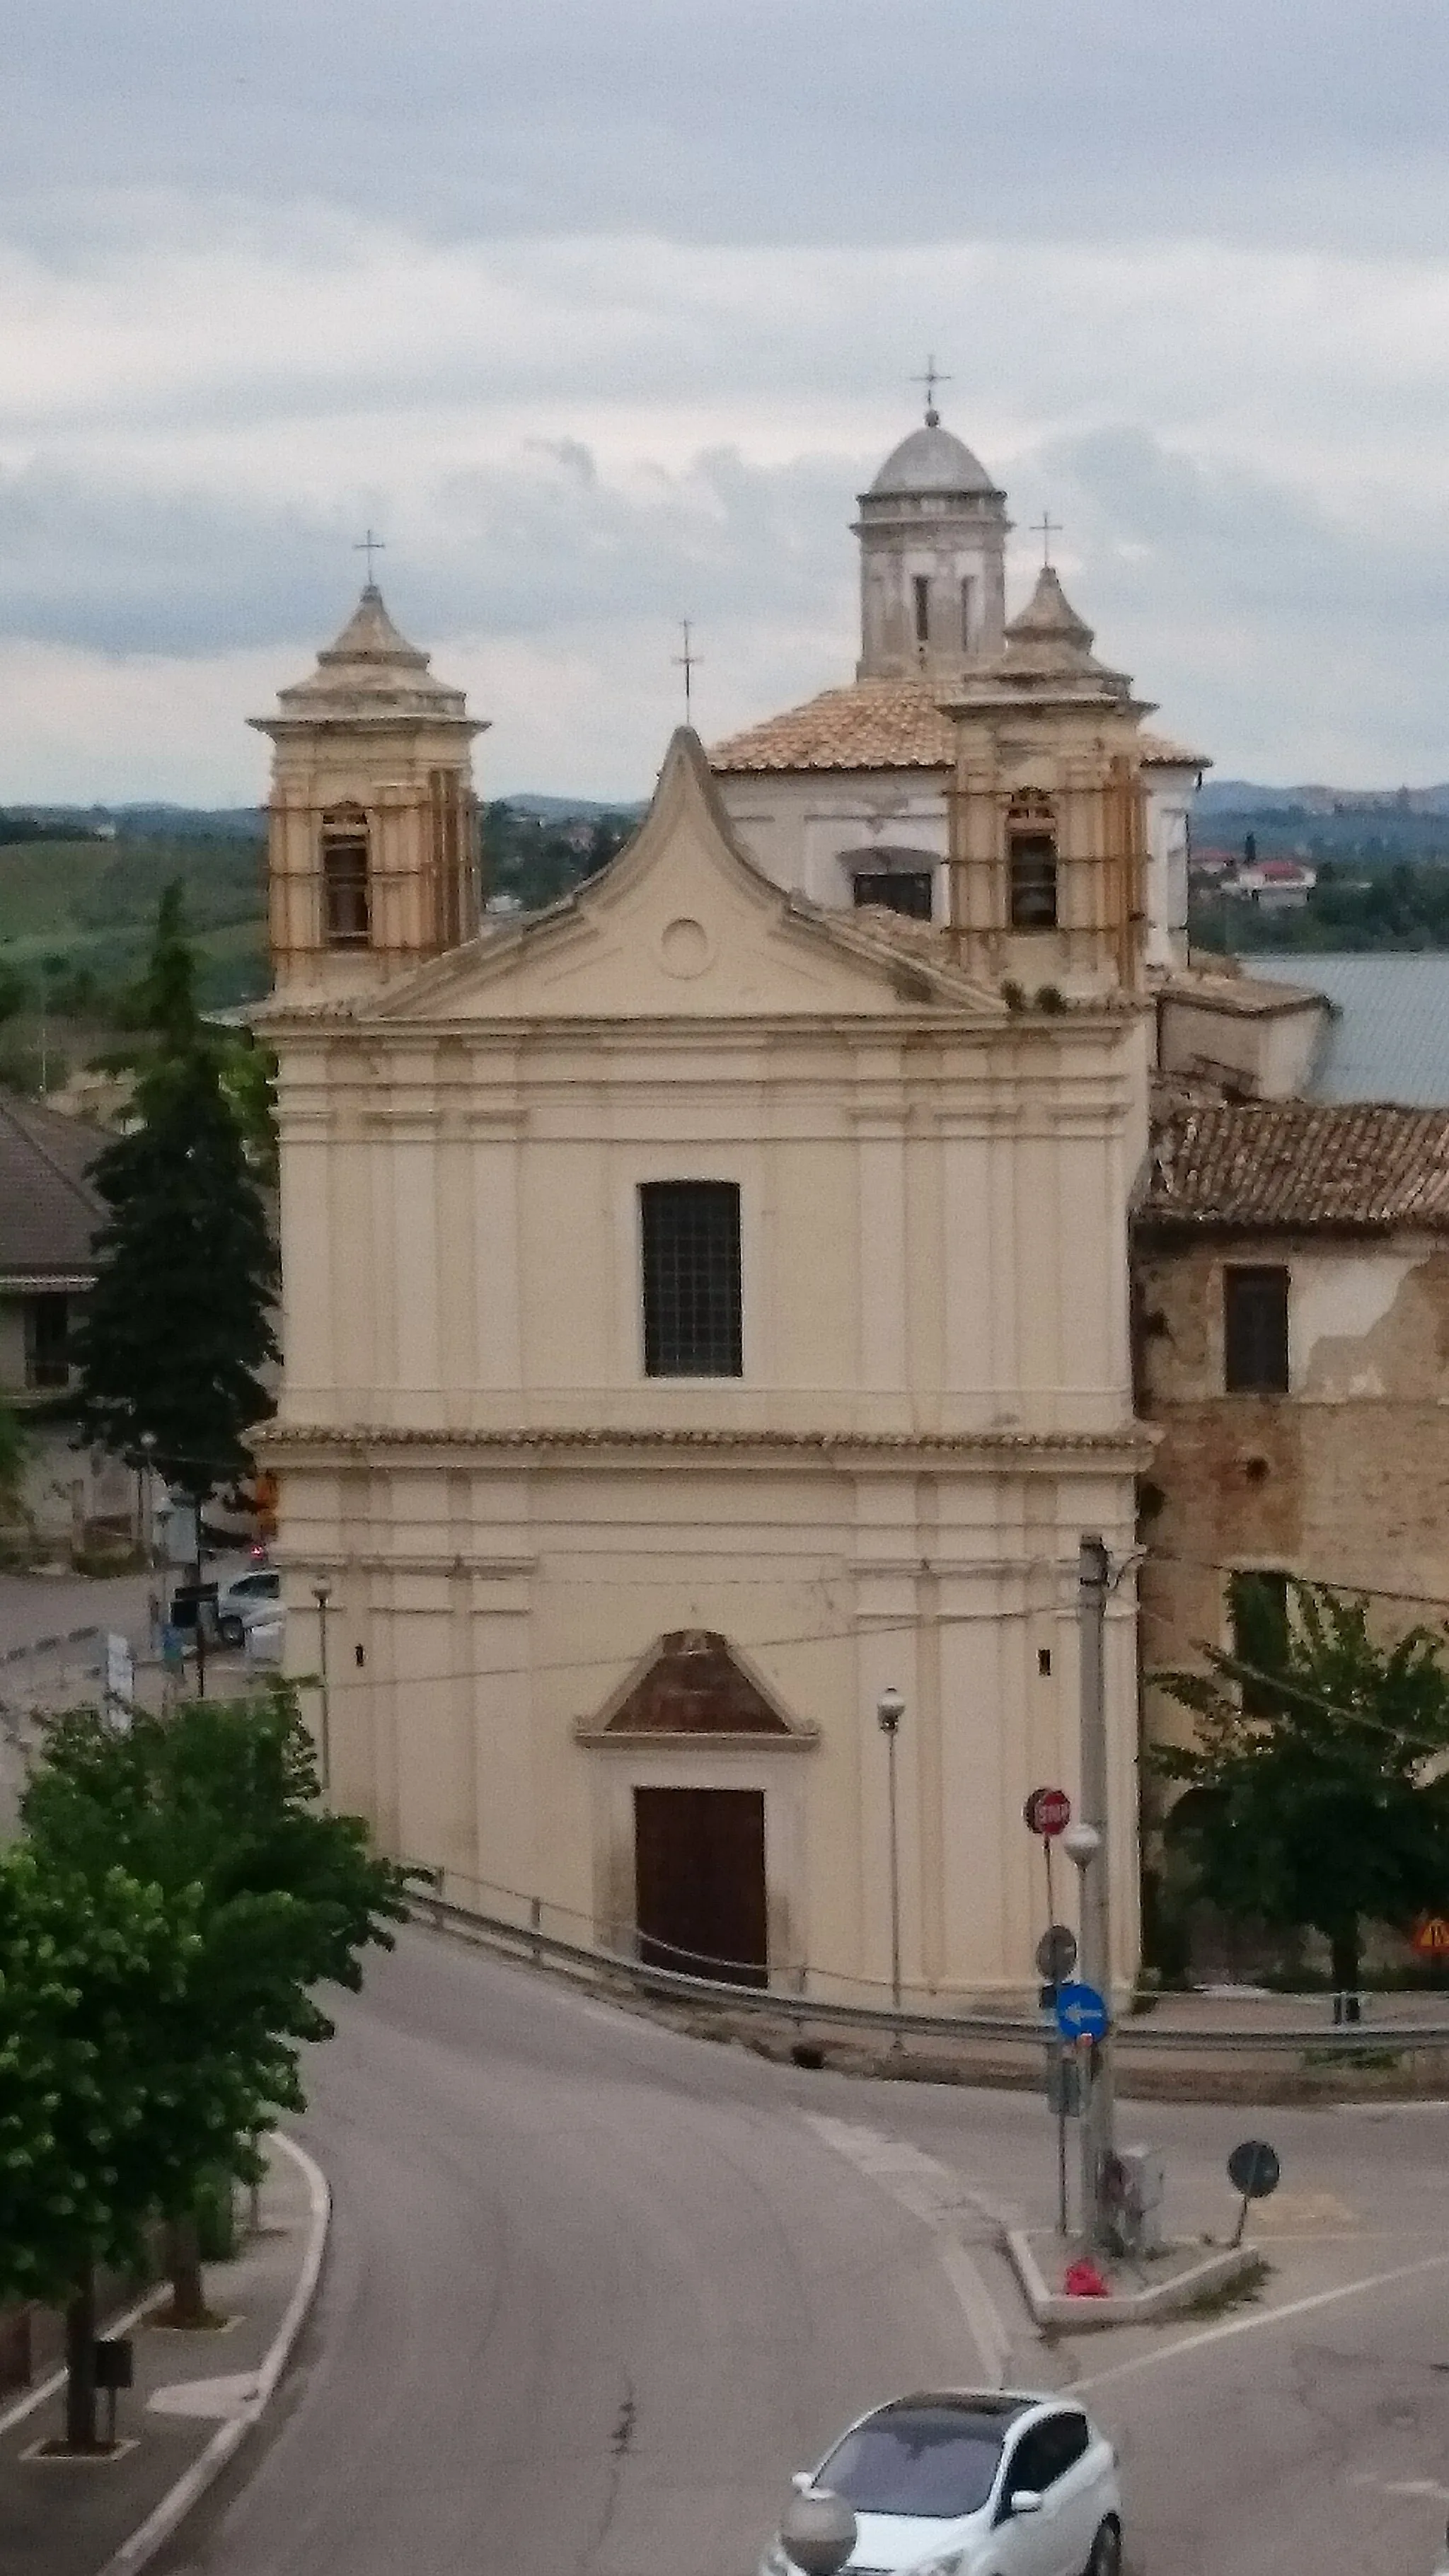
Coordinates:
[1048,822]
[932,530]
[372,862]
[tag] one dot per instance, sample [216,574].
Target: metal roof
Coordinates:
[1390,1038]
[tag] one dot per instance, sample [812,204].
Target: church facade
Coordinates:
[706,1311]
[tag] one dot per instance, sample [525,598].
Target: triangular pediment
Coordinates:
[685,924]
[693,1683]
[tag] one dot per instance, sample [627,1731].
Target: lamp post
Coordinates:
[322,1594]
[890,1708]
[1083,1846]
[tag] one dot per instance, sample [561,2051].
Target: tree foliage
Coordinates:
[1322,1801]
[177,1327]
[108,2106]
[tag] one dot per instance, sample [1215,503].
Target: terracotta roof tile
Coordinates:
[1285,1165]
[878,724]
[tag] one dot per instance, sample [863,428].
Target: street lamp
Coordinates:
[322,1594]
[818,2532]
[890,1708]
[1082,1844]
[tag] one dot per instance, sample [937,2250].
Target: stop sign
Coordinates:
[1048,1812]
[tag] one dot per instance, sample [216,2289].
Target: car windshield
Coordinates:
[937,2461]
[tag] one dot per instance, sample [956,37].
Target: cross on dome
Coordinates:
[931,378]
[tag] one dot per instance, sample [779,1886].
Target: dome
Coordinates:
[932,459]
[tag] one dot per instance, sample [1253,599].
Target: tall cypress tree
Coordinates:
[178,1324]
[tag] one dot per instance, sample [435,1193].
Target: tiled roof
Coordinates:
[1290,1165]
[873,724]
[878,724]
[48,1209]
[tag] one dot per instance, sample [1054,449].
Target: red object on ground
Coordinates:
[1084,2281]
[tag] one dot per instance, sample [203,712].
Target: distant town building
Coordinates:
[49,1217]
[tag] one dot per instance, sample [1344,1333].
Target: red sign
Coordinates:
[1431,1937]
[1048,1812]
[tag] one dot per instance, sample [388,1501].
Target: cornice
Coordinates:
[1130,1442]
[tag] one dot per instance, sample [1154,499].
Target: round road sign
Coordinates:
[1056,1953]
[1253,2169]
[1048,1812]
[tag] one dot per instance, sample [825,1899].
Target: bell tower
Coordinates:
[372,862]
[932,531]
[1048,821]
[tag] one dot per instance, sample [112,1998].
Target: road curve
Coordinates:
[595,2289]
[589,2299]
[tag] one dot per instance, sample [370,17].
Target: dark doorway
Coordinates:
[699,1873]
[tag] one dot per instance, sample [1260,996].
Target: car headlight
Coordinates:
[941,2566]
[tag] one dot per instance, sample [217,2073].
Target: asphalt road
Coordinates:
[595,2289]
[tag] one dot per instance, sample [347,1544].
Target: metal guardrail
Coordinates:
[1134,2036]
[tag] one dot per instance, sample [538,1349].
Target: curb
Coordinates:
[163,2519]
[1130,2308]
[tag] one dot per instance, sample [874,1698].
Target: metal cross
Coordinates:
[1046,527]
[930,380]
[370,545]
[688,662]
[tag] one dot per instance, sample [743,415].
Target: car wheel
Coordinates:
[1106,2558]
[231,1632]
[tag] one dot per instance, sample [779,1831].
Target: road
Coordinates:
[595,2289]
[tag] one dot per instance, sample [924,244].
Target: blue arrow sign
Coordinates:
[1082,2013]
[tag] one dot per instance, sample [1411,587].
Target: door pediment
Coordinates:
[693,1686]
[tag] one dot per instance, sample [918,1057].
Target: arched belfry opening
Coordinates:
[372,859]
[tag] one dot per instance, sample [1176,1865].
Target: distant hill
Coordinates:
[1241,796]
[573,809]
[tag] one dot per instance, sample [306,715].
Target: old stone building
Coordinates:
[1292,1278]
[706,1306]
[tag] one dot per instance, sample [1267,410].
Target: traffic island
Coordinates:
[1176,2282]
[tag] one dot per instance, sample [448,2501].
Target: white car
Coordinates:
[961,2483]
[250,1600]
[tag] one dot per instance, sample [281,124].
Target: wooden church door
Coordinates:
[699,1860]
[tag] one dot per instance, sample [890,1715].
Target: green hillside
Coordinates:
[89,906]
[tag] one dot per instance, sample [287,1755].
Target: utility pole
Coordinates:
[1094,1575]
[890,1709]
[322,1594]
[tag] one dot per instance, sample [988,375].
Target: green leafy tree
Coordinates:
[177,1327]
[112,2094]
[218,1804]
[1317,1762]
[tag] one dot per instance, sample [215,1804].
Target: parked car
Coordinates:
[249,1600]
[970,2483]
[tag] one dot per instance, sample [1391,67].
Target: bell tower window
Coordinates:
[347,907]
[1031,853]
[968,613]
[921,589]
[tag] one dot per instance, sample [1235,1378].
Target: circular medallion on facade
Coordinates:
[685,947]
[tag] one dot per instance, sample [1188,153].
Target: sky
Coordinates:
[603,311]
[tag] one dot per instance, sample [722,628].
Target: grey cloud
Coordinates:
[1313,121]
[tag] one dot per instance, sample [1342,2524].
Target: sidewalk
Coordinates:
[194,2396]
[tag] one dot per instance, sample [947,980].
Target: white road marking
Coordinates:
[937,2197]
[1266,2317]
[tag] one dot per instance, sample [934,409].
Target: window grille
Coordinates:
[692,1309]
[346,895]
[906,890]
[1255,1331]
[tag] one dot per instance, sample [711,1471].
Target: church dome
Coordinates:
[932,459]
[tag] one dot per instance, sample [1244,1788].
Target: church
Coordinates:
[706,1304]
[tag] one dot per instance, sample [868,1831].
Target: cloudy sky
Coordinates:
[603,311]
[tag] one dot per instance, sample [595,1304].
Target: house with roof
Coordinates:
[49,1216]
[1291,1281]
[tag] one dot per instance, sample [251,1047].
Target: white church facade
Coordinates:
[706,1304]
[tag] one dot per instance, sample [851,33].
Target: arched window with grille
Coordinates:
[347,907]
[1031,858]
